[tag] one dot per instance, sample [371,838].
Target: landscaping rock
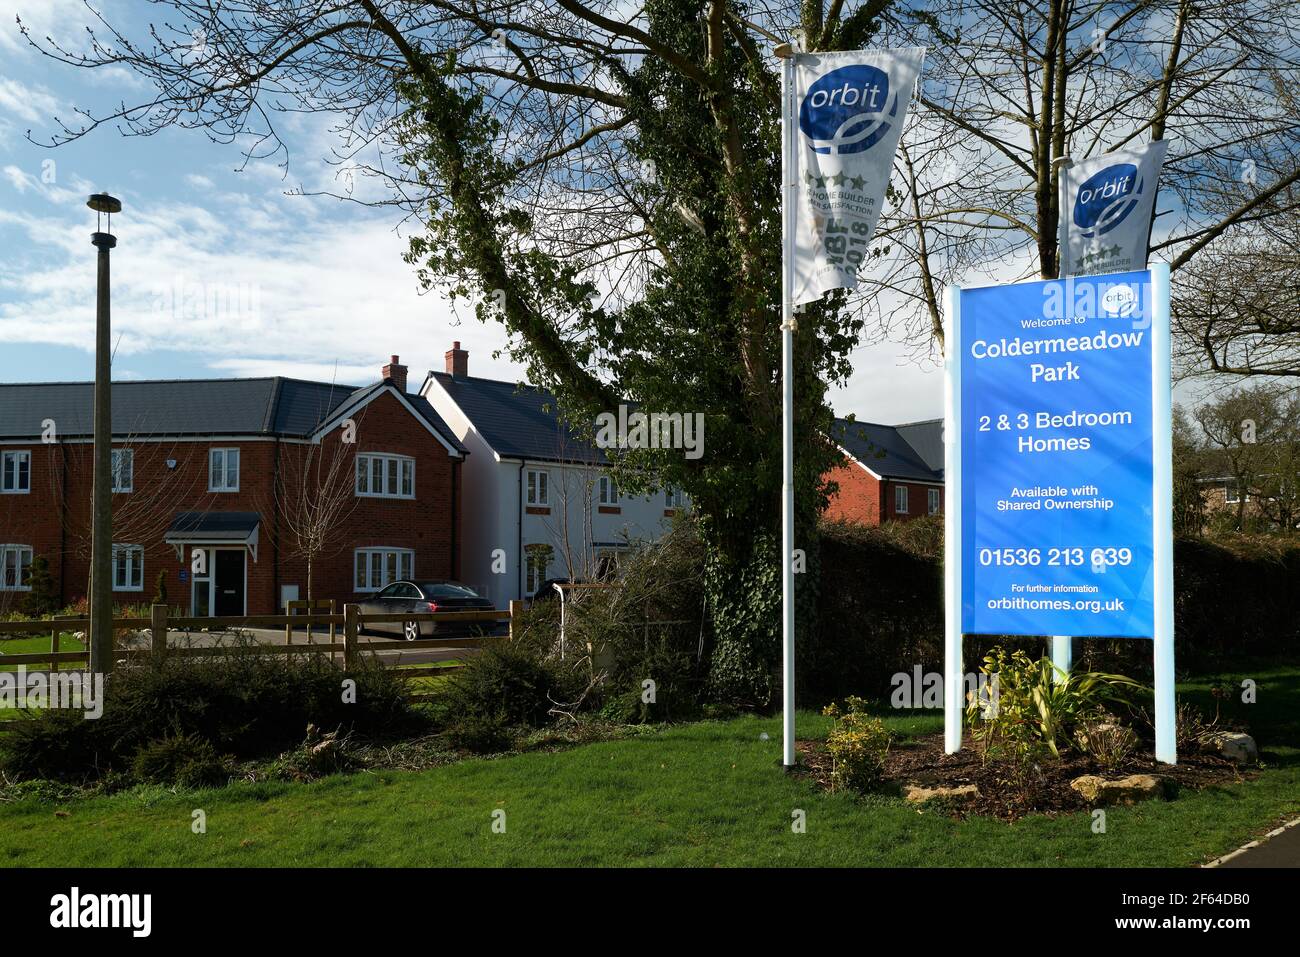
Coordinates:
[919,795]
[1135,787]
[1235,746]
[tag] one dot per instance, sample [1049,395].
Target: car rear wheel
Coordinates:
[411,630]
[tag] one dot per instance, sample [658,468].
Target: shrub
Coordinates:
[1106,739]
[246,705]
[857,744]
[504,683]
[1036,704]
[43,599]
[184,759]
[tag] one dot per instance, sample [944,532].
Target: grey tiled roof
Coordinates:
[176,407]
[913,451]
[518,421]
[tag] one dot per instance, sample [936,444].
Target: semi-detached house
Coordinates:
[539,501]
[888,472]
[216,468]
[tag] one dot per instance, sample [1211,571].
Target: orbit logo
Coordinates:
[1106,199]
[848,110]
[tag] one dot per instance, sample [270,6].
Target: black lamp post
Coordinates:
[101,546]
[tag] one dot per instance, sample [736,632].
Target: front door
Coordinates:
[228,582]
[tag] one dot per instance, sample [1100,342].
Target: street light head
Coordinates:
[103,203]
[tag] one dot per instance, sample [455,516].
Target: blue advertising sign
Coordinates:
[1057,465]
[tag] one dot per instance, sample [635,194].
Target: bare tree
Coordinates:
[1237,306]
[314,496]
[1241,430]
[1011,87]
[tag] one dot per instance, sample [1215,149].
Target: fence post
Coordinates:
[158,632]
[516,609]
[350,635]
[288,625]
[54,647]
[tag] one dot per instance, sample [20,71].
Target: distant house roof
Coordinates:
[194,407]
[913,451]
[518,421]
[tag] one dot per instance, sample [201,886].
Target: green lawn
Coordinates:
[700,795]
[39,644]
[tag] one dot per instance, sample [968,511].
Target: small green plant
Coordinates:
[160,588]
[858,744]
[1194,729]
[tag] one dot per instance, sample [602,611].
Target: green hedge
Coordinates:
[881,610]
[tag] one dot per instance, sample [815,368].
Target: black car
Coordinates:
[425,597]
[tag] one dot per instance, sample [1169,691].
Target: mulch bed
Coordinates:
[1003,793]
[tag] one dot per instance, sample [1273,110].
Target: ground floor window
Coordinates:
[128,568]
[376,567]
[933,496]
[15,567]
[900,499]
[537,561]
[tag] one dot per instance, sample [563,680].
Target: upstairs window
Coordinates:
[385,476]
[223,470]
[123,470]
[606,491]
[15,473]
[538,485]
[673,498]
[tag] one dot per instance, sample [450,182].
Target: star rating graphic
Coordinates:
[835,179]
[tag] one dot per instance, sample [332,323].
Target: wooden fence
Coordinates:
[160,622]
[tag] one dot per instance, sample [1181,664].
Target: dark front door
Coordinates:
[228,579]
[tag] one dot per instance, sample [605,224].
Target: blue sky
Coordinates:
[220,273]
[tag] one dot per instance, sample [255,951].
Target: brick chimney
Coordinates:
[457,361]
[397,372]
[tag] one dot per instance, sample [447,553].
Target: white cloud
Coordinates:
[292,295]
[35,104]
[198,181]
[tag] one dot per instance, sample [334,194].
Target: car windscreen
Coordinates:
[447,590]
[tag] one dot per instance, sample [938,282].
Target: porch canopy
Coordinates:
[214,528]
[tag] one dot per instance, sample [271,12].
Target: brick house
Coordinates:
[889,472]
[210,478]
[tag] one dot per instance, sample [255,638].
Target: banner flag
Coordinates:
[1109,203]
[851,108]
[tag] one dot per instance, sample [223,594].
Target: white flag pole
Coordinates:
[788,198]
[1062,645]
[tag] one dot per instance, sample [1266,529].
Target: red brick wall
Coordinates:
[865,499]
[859,496]
[58,525]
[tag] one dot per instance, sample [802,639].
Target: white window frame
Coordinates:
[376,558]
[933,501]
[20,551]
[394,480]
[901,495]
[606,490]
[16,456]
[116,457]
[673,498]
[134,567]
[224,485]
[537,487]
